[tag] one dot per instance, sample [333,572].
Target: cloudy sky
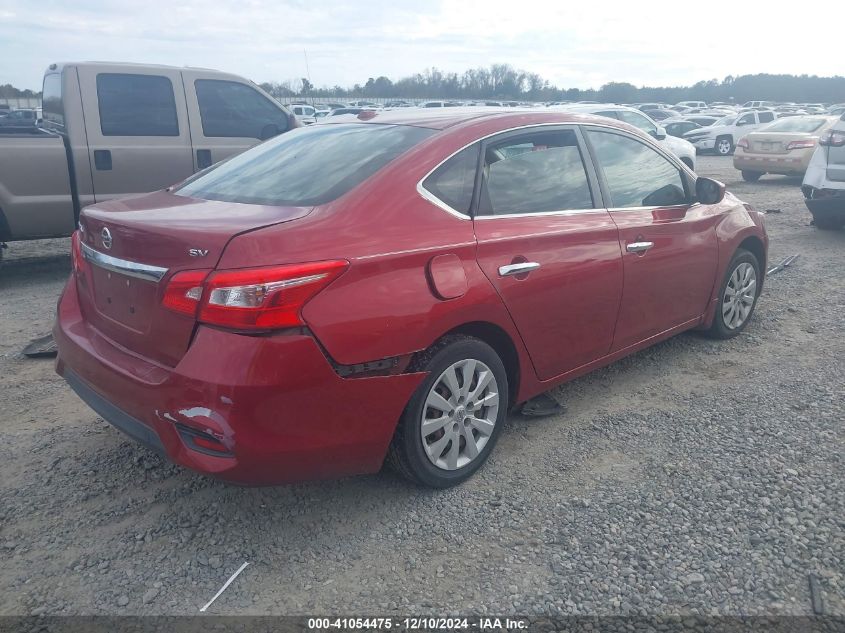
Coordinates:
[571,44]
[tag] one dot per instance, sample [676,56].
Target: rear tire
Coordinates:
[724,146]
[454,411]
[751,176]
[738,296]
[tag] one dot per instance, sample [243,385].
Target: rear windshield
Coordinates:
[795,124]
[306,166]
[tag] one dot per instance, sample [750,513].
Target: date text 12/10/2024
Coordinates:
[416,624]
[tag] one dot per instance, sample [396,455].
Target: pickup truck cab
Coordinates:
[111,130]
[721,137]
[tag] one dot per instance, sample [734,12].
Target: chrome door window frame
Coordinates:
[586,157]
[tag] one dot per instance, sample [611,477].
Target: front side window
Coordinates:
[638,120]
[307,166]
[232,109]
[636,174]
[534,173]
[454,181]
[747,119]
[766,117]
[136,105]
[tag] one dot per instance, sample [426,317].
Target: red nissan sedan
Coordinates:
[388,288]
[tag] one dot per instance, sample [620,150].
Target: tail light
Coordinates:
[77,259]
[184,291]
[743,143]
[251,298]
[832,138]
[802,144]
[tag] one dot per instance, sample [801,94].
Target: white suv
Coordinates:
[824,182]
[305,114]
[678,146]
[721,137]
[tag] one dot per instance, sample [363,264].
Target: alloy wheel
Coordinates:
[460,414]
[740,294]
[723,146]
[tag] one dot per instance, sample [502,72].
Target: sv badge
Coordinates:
[197,252]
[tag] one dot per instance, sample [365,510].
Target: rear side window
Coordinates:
[636,174]
[766,117]
[232,109]
[307,166]
[136,105]
[454,180]
[534,173]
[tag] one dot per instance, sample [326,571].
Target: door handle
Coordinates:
[517,269]
[102,159]
[203,158]
[639,247]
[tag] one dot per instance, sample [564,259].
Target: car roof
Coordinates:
[442,119]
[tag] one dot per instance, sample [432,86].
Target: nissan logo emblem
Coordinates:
[105,234]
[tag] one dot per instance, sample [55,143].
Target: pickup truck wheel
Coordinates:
[454,418]
[737,296]
[724,146]
[751,176]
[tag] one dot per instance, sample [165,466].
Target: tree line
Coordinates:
[503,82]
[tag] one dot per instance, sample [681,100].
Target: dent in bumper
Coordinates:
[275,402]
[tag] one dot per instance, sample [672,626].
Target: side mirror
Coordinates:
[659,133]
[709,191]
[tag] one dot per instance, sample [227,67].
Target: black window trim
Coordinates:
[137,74]
[592,175]
[689,183]
[282,109]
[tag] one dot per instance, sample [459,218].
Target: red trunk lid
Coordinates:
[165,234]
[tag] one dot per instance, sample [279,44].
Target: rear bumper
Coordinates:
[824,202]
[274,402]
[771,164]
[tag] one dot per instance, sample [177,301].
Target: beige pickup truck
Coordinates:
[113,130]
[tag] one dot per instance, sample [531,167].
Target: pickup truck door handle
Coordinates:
[102,159]
[517,269]
[639,247]
[203,158]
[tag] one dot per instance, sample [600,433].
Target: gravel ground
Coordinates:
[696,477]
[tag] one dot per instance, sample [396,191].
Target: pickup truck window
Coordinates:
[51,99]
[282,171]
[232,109]
[136,105]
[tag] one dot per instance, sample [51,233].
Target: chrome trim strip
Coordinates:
[542,213]
[123,266]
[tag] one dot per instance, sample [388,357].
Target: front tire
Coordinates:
[724,146]
[737,296]
[751,176]
[452,421]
